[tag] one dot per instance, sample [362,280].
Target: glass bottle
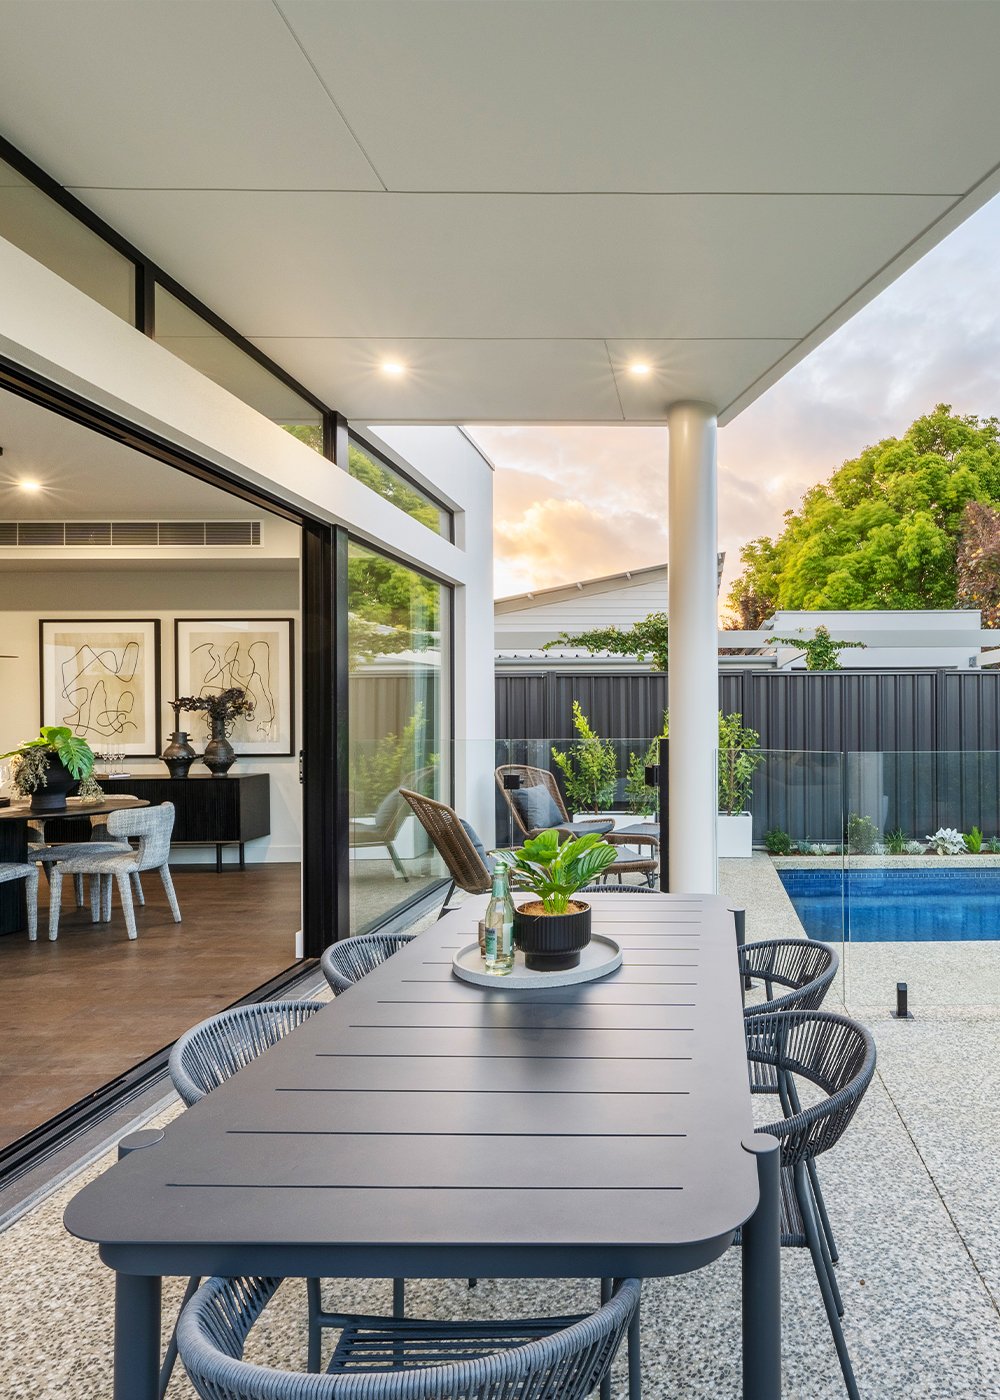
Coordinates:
[499,956]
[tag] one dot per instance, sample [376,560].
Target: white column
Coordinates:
[694,661]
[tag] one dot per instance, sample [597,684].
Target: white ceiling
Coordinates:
[517,198]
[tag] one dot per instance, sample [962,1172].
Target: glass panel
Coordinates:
[192,339]
[379,476]
[923,879]
[400,729]
[49,233]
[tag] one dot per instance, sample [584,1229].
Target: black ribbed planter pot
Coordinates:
[551,942]
[58,786]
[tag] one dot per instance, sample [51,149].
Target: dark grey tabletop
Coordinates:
[420,1126]
[21,811]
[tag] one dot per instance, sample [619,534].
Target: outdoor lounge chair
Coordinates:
[536,804]
[560,1358]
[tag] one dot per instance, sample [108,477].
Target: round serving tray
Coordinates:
[601,956]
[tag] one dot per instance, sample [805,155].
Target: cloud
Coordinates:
[557,541]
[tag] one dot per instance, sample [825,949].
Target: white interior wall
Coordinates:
[27,597]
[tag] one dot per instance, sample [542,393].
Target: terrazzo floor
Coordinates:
[912,1189]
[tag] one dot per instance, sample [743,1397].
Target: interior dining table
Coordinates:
[423,1127]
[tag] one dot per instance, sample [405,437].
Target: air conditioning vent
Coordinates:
[36,534]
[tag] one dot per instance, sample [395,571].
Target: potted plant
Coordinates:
[49,768]
[223,708]
[589,768]
[739,759]
[551,929]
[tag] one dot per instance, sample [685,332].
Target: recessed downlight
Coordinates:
[28,483]
[639,368]
[393,367]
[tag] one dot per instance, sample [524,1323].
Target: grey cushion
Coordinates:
[387,809]
[476,840]
[536,807]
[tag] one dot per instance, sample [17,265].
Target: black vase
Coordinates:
[59,783]
[551,942]
[219,755]
[179,755]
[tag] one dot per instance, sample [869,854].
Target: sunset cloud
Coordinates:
[577,502]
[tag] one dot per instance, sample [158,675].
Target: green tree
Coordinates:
[589,767]
[644,640]
[884,531]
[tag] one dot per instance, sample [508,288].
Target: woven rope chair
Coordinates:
[837,1057]
[17,870]
[807,969]
[46,853]
[152,826]
[212,1052]
[554,1358]
[451,841]
[346,962]
[541,777]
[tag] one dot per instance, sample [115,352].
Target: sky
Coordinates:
[578,502]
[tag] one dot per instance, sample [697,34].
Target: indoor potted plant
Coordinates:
[49,768]
[223,708]
[551,929]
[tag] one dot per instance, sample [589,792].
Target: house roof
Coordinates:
[450,185]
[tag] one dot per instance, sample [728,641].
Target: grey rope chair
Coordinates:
[212,1052]
[556,1358]
[836,1056]
[346,962]
[18,870]
[807,969]
[46,853]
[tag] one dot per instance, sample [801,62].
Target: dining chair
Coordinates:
[18,870]
[152,826]
[807,969]
[560,1358]
[48,853]
[383,827]
[836,1057]
[210,1053]
[346,962]
[455,841]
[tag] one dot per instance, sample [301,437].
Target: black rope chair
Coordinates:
[837,1057]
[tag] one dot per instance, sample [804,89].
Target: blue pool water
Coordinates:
[899,906]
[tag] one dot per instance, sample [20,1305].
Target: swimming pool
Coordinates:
[896,906]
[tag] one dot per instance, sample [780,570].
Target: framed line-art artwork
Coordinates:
[256,654]
[101,679]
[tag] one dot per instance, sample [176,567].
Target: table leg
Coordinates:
[634,1357]
[137,1337]
[243,856]
[218,859]
[762,1277]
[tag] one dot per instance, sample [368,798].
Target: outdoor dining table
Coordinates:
[423,1127]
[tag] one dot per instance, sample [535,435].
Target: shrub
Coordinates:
[862,835]
[589,768]
[974,841]
[946,841]
[992,846]
[777,842]
[896,842]
[739,759]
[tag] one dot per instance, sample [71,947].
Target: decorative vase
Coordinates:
[179,755]
[219,755]
[59,783]
[551,942]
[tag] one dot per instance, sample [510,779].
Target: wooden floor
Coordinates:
[79,1012]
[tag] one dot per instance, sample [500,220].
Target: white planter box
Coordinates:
[735,836]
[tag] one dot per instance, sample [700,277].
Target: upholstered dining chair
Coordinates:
[17,870]
[152,826]
[100,843]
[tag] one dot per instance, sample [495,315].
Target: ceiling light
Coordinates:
[393,367]
[639,367]
[28,483]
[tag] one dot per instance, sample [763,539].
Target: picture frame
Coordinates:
[101,678]
[255,653]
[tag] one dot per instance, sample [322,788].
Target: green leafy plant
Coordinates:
[31,758]
[822,652]
[896,842]
[589,768]
[862,835]
[554,871]
[974,840]
[644,640]
[992,846]
[642,799]
[739,759]
[777,842]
